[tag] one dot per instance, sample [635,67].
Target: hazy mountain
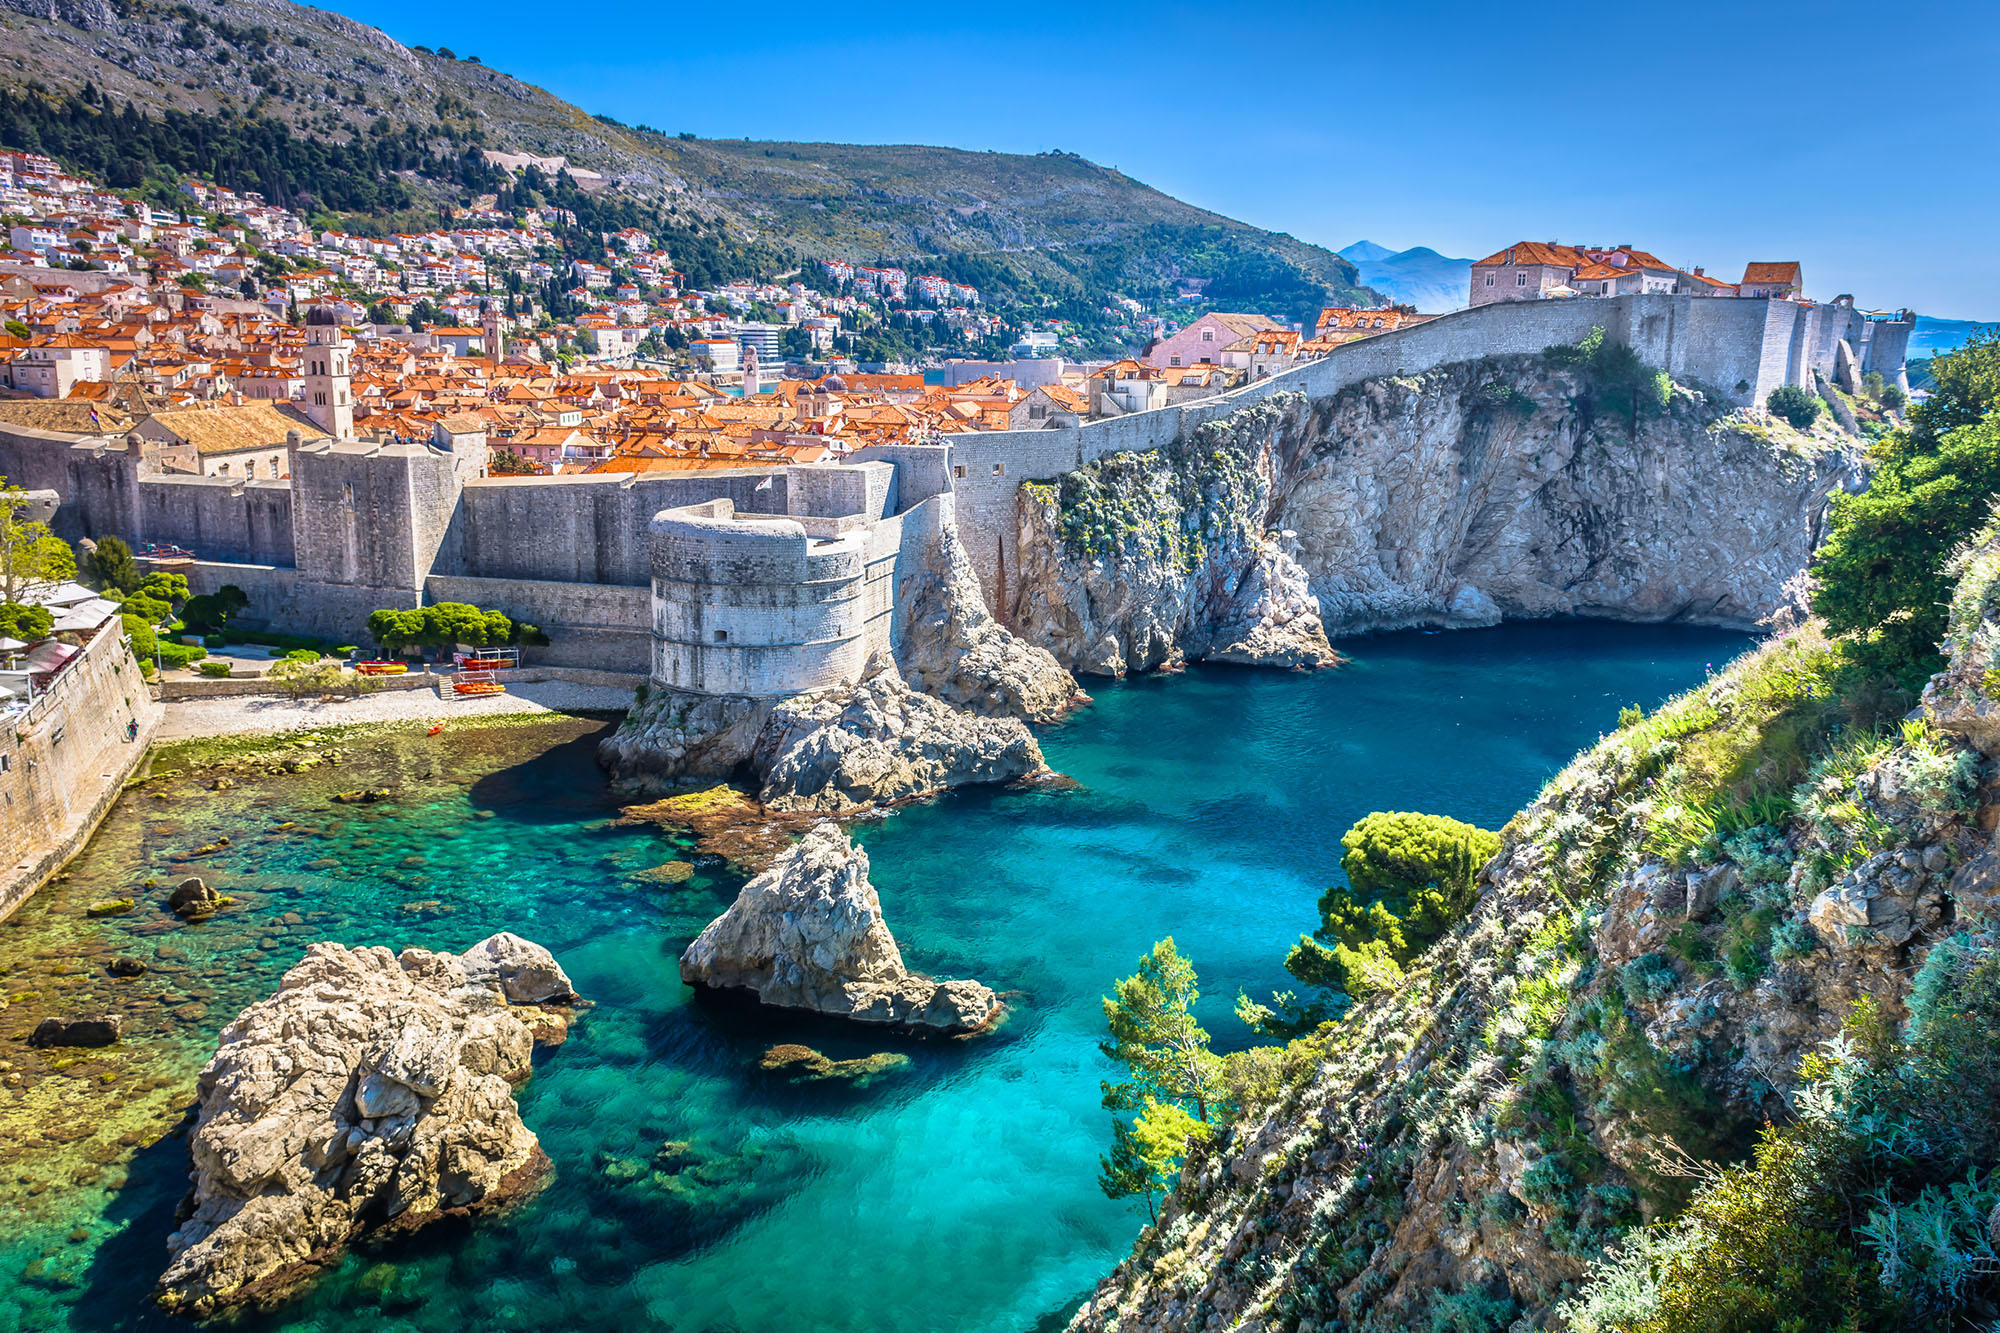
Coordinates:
[1932,336]
[1419,276]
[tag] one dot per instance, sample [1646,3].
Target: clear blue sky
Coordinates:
[1708,133]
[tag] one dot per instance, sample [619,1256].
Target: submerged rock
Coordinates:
[77,1031]
[805,1065]
[808,934]
[372,1090]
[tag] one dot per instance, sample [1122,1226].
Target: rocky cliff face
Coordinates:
[1644,970]
[808,934]
[1513,486]
[372,1090]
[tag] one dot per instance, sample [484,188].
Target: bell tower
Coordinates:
[489,326]
[329,374]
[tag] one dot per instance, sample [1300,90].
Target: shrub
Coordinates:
[214,669]
[144,640]
[1796,405]
[1648,978]
[302,655]
[1893,397]
[176,655]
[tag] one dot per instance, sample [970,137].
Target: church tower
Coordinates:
[329,374]
[489,324]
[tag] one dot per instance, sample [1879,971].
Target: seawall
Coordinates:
[66,758]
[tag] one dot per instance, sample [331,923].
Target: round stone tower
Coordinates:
[754,604]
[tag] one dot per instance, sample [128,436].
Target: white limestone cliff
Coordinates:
[1509,487]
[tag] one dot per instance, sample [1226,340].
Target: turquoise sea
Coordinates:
[956,1193]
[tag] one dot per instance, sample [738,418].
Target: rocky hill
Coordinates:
[1052,223]
[1631,998]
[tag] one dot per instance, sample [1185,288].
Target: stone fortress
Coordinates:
[767,582]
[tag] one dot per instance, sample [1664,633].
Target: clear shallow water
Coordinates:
[957,1193]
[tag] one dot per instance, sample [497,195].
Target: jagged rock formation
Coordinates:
[1627,987]
[952,648]
[1145,560]
[371,1090]
[879,742]
[1513,486]
[808,934]
[832,750]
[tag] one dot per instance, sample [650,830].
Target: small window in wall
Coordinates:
[999,469]
[1489,280]
[1208,335]
[722,636]
[1174,360]
[6,763]
[958,470]
[1520,279]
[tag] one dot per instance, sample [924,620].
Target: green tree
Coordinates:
[111,566]
[25,623]
[1882,576]
[1798,406]
[29,553]
[1410,878]
[1174,1079]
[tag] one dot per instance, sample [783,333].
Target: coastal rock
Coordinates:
[952,648]
[77,1031]
[192,898]
[371,1090]
[523,971]
[880,741]
[125,966]
[808,934]
[672,736]
[1501,487]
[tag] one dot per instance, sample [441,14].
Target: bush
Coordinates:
[217,670]
[1893,397]
[303,655]
[176,655]
[144,640]
[1796,405]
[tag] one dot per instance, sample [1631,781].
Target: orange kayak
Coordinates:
[479,687]
[382,668]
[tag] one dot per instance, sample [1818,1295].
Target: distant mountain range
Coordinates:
[1933,336]
[1419,276]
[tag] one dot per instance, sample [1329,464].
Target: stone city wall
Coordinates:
[65,758]
[605,626]
[1740,349]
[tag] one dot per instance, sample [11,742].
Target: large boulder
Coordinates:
[371,1090]
[881,741]
[808,934]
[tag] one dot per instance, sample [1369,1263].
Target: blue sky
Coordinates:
[1708,133]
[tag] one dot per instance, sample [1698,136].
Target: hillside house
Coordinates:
[1202,342]
[1782,280]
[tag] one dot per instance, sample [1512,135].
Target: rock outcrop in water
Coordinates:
[1507,487]
[808,934]
[835,750]
[372,1090]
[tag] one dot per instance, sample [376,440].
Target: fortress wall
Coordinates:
[218,518]
[355,515]
[605,627]
[587,529]
[833,490]
[103,494]
[68,756]
[922,470]
[1718,342]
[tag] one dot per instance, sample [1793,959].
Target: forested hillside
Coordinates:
[317,111]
